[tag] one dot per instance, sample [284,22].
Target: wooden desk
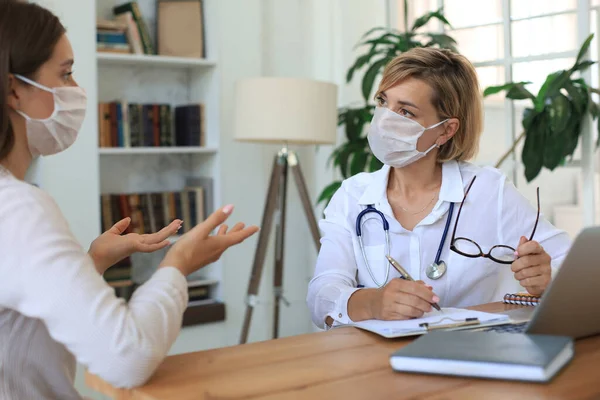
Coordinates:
[343,363]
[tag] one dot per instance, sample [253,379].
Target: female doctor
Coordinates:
[426,125]
[55,307]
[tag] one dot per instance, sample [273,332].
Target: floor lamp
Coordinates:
[284,111]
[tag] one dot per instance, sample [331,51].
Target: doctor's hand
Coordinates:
[401,299]
[112,246]
[532,267]
[198,248]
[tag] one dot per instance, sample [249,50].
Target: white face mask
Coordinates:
[59,131]
[393,138]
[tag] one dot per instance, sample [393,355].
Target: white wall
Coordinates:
[294,38]
[76,194]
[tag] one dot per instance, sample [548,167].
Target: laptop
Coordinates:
[571,304]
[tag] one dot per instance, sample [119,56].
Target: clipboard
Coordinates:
[450,319]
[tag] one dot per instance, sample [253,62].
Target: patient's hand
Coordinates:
[112,246]
[532,268]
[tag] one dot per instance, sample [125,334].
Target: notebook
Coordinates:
[521,298]
[535,358]
[448,319]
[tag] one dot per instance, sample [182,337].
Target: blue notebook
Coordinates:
[486,355]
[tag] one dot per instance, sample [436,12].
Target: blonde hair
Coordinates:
[456,94]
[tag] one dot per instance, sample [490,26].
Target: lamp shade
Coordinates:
[285,110]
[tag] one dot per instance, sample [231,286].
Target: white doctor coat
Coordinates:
[494,213]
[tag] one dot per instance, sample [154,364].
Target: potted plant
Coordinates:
[382,45]
[552,125]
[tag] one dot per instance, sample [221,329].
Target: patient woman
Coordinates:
[55,307]
[426,126]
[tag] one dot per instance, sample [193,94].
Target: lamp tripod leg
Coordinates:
[261,249]
[305,198]
[280,245]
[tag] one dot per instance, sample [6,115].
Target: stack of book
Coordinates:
[111,36]
[126,33]
[150,212]
[119,277]
[199,293]
[123,124]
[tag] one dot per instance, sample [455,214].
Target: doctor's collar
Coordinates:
[452,189]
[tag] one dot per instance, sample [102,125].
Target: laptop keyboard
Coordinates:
[511,328]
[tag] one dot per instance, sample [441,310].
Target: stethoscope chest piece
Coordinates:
[436,270]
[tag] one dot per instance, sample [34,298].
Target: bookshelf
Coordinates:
[115,151]
[156,79]
[104,58]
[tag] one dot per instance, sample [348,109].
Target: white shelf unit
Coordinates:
[148,79]
[104,58]
[156,150]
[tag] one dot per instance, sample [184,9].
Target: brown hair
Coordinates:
[456,94]
[28,34]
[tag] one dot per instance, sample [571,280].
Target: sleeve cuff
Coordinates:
[340,313]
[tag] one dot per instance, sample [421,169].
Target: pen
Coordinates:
[406,275]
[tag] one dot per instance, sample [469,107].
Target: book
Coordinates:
[143,31]
[448,318]
[512,356]
[521,298]
[125,125]
[150,212]
[180,28]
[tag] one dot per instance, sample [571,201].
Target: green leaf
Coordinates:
[554,82]
[554,147]
[497,89]
[375,164]
[359,163]
[423,20]
[342,160]
[561,130]
[582,66]
[383,39]
[370,75]
[532,156]
[573,136]
[519,92]
[353,128]
[328,192]
[358,64]
[584,48]
[373,30]
[577,96]
[559,113]
[441,40]
[529,114]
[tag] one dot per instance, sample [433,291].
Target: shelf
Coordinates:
[120,283]
[152,60]
[205,313]
[156,150]
[202,282]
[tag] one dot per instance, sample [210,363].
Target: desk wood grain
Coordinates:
[345,363]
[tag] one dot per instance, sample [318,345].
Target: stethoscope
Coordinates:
[434,271]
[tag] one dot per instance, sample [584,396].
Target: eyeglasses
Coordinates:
[501,253]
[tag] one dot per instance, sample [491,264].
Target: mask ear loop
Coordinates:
[34,83]
[44,88]
[433,127]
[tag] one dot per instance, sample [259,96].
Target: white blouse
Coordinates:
[55,309]
[494,213]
